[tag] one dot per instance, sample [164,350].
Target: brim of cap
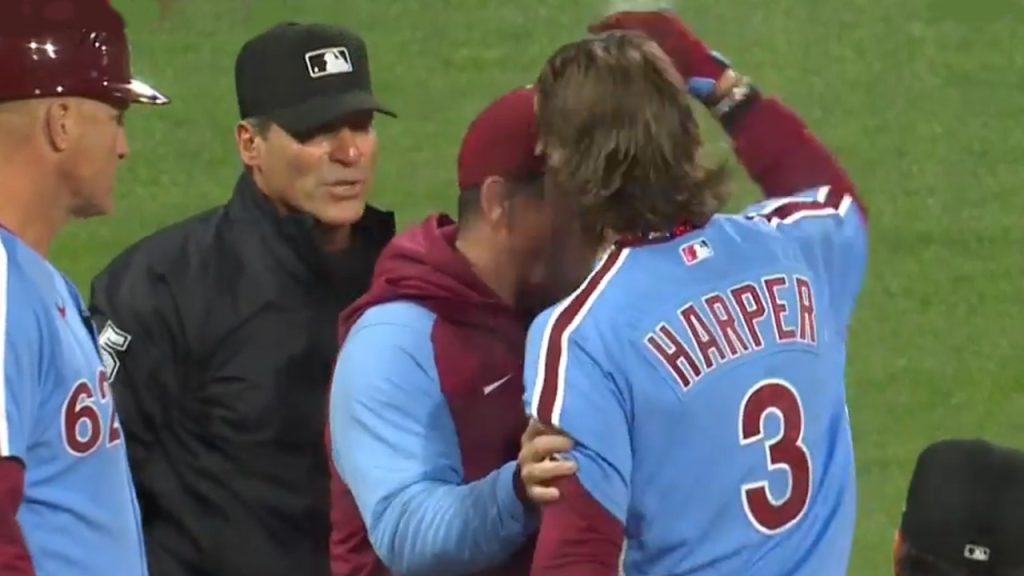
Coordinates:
[139,92]
[323,111]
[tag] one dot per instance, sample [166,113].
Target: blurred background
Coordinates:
[920,99]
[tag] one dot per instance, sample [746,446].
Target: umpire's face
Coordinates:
[327,174]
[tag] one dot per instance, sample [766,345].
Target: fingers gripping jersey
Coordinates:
[57,416]
[703,381]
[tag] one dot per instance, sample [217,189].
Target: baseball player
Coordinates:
[425,415]
[66,500]
[699,367]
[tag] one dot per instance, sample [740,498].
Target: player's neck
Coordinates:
[26,206]
[335,238]
[488,266]
[609,240]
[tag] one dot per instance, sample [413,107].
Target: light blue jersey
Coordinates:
[703,381]
[79,515]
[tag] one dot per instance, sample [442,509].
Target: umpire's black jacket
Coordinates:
[219,336]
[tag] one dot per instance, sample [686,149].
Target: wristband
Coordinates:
[728,109]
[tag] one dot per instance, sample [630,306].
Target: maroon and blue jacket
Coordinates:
[426,418]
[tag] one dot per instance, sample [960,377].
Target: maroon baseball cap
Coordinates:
[502,141]
[67,48]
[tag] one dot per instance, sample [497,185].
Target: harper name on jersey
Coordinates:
[739,316]
[702,379]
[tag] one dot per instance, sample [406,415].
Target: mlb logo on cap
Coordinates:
[977,553]
[696,251]
[328,61]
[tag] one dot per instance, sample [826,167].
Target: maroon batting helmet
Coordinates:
[67,48]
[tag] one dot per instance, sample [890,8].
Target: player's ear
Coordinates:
[494,202]
[59,121]
[250,143]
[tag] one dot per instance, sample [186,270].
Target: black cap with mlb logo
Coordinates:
[965,506]
[304,76]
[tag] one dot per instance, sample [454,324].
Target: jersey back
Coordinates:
[79,514]
[703,381]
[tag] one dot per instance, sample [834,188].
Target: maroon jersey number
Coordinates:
[783,452]
[83,427]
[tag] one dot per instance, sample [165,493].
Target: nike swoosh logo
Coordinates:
[492,387]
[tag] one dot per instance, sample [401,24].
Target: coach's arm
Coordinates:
[23,355]
[394,444]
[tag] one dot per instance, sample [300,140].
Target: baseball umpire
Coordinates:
[964,513]
[220,332]
[66,499]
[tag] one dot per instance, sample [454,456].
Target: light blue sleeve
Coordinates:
[22,351]
[584,400]
[830,229]
[394,444]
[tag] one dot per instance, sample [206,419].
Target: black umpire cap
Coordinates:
[965,506]
[303,77]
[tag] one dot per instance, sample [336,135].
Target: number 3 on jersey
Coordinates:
[784,452]
[82,424]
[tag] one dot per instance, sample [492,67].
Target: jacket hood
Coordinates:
[422,265]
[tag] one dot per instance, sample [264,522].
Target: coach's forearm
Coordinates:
[439,528]
[778,150]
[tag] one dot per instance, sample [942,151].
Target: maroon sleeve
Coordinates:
[578,536]
[352,553]
[14,556]
[780,153]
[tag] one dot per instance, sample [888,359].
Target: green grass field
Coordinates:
[919,98]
